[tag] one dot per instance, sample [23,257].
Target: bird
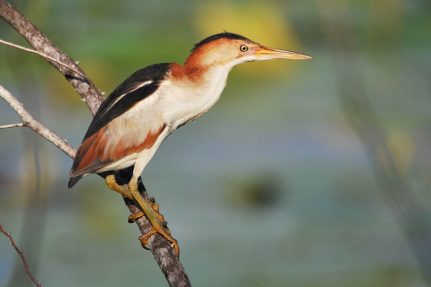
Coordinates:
[154,101]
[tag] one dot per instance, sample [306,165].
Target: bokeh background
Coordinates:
[309,173]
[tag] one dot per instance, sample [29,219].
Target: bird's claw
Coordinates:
[144,238]
[135,216]
[159,226]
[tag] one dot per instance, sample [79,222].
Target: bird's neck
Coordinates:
[196,90]
[199,72]
[208,80]
[189,73]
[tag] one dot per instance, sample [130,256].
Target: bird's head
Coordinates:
[229,49]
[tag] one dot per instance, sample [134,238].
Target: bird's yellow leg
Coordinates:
[121,189]
[134,216]
[151,212]
[125,192]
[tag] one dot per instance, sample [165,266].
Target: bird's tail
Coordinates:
[73,181]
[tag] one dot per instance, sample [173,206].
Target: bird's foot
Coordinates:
[151,210]
[144,238]
[159,225]
[155,206]
[135,216]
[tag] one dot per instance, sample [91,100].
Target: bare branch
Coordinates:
[82,84]
[160,247]
[21,256]
[12,126]
[40,54]
[40,129]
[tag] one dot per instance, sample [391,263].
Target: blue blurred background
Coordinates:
[309,173]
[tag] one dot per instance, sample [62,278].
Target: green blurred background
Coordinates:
[309,173]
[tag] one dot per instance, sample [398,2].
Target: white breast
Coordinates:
[182,101]
[174,103]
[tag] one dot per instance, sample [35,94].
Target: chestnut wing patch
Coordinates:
[96,152]
[90,155]
[124,149]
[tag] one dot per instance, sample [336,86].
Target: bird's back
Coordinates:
[107,125]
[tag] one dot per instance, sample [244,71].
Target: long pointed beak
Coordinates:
[264,53]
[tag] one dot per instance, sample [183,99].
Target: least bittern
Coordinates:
[142,111]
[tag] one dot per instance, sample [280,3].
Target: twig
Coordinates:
[160,247]
[82,84]
[21,256]
[40,54]
[29,121]
[12,126]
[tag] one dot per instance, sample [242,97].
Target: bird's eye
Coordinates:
[243,48]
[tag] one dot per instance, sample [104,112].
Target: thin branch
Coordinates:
[21,256]
[160,247]
[30,122]
[82,84]
[12,126]
[40,54]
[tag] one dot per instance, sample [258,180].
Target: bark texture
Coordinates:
[160,247]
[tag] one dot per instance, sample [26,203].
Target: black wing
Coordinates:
[127,95]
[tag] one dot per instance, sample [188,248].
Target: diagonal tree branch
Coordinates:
[82,84]
[21,256]
[38,53]
[28,121]
[161,249]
